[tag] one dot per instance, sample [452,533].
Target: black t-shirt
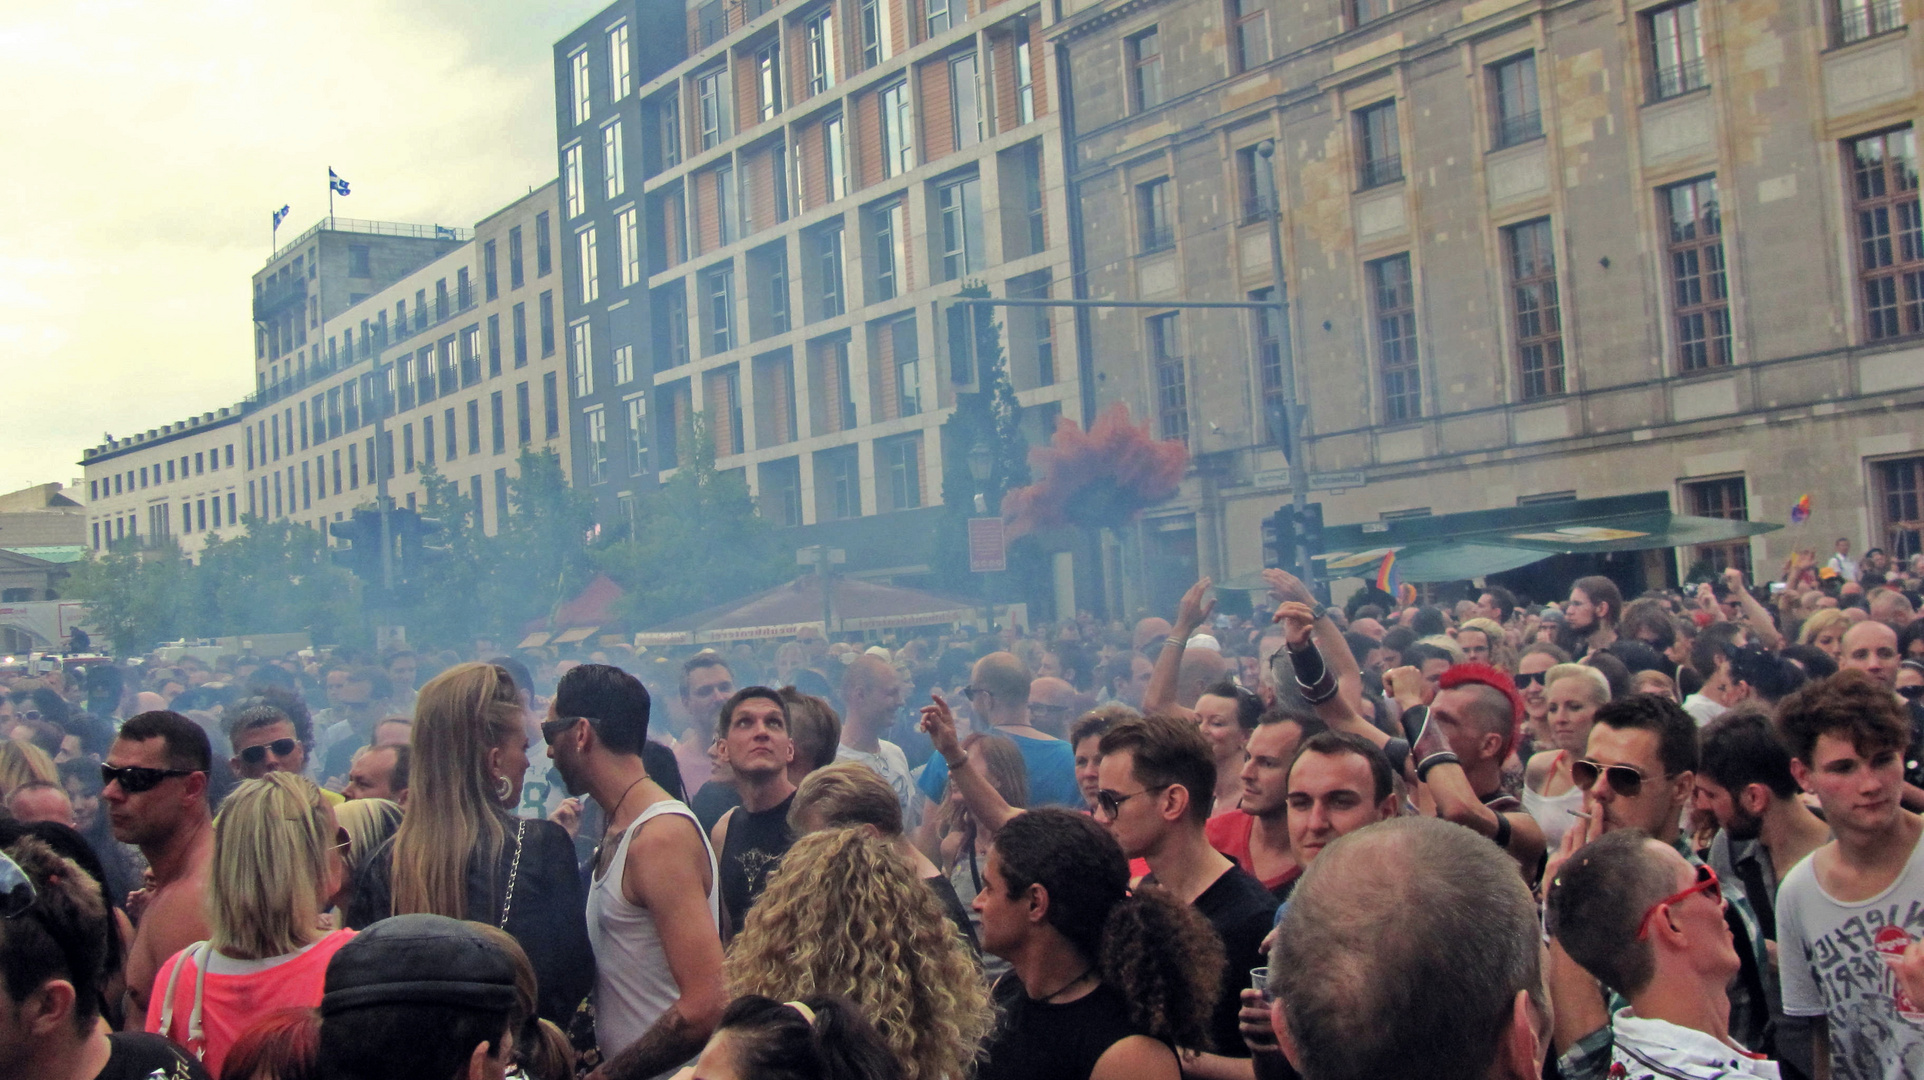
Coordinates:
[1242,911]
[712,800]
[1914,757]
[957,911]
[140,1056]
[751,851]
[1037,1041]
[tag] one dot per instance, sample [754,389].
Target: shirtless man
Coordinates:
[156,798]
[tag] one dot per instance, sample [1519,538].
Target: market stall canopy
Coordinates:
[787,610]
[1476,543]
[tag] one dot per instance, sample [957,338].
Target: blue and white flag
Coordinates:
[335,184]
[442,232]
[280,216]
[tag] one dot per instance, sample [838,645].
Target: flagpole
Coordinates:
[330,198]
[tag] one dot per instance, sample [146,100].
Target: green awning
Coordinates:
[1455,547]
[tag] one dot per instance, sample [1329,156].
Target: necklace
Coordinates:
[614,812]
[1064,988]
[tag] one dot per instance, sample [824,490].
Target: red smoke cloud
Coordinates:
[1104,476]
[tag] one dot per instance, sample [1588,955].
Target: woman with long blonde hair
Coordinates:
[459,853]
[275,865]
[22,763]
[845,915]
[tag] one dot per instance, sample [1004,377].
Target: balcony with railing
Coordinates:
[277,296]
[1668,80]
[1380,171]
[717,19]
[1514,130]
[1858,20]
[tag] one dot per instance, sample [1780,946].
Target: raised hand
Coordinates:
[1194,611]
[1284,585]
[1297,618]
[938,723]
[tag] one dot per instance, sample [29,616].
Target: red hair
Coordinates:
[282,1045]
[1495,679]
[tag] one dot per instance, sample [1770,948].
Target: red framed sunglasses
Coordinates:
[1706,883]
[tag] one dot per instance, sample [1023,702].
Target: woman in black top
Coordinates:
[1104,984]
[458,852]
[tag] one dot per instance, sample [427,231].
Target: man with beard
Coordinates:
[1743,780]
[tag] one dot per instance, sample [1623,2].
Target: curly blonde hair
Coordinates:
[845,915]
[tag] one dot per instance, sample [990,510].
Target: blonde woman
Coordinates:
[1572,693]
[23,762]
[845,915]
[275,866]
[1825,629]
[458,853]
[365,824]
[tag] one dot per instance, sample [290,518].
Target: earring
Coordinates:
[503,787]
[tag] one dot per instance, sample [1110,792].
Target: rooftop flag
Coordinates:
[280,216]
[335,185]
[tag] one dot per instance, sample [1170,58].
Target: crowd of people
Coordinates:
[1462,835]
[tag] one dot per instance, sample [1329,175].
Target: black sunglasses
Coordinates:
[135,779]
[554,729]
[1911,693]
[1625,780]
[1534,678]
[16,889]
[254,755]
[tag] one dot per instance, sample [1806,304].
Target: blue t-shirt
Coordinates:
[1051,765]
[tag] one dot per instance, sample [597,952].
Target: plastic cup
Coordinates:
[1259,979]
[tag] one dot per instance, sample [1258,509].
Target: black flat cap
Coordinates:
[419,960]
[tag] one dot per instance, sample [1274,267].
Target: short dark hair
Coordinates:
[186,744]
[291,705]
[1817,663]
[387,1043]
[1360,645]
[1616,673]
[1419,653]
[705,658]
[1770,676]
[773,1040]
[1093,723]
[1739,749]
[1075,659]
[1337,743]
[1249,707]
[1427,622]
[748,693]
[1849,705]
[1076,860]
[614,701]
[1647,614]
[1676,731]
[1168,751]
[62,936]
[815,727]
[1597,903]
[1712,643]
[1601,590]
[245,718]
[1397,639]
[1505,601]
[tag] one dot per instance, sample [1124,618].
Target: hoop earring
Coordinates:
[503,787]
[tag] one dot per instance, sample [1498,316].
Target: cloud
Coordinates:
[150,142]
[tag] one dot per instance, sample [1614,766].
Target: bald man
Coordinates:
[999,692]
[1052,704]
[872,695]
[1871,647]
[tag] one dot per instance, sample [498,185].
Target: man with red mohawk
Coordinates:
[1459,753]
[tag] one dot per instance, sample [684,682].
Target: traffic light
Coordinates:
[361,555]
[1285,529]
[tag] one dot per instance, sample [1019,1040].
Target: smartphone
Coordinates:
[1777,587]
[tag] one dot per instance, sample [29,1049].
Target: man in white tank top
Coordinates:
[656,935]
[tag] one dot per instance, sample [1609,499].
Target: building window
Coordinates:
[547,323]
[614,177]
[826,289]
[1172,378]
[668,127]
[1699,288]
[838,480]
[1256,185]
[835,158]
[960,205]
[517,274]
[1861,19]
[1381,157]
[874,15]
[818,32]
[470,356]
[637,435]
[550,406]
[1724,499]
[1364,11]
[581,365]
[357,261]
[905,354]
[1393,307]
[727,206]
[628,246]
[596,421]
[674,328]
[768,78]
[1030,158]
[590,266]
[579,69]
[938,16]
[1144,51]
[1513,92]
[1272,336]
[1674,37]
[543,249]
[1249,34]
[709,89]
[1155,220]
[620,76]
[523,420]
[1539,322]
[965,93]
[719,285]
[490,277]
[624,364]
[902,471]
[519,317]
[1024,75]
[885,251]
[1900,505]
[1890,232]
[497,423]
[898,130]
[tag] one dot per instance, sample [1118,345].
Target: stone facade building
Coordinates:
[1533,249]
[181,482]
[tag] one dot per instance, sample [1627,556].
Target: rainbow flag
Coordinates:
[1800,510]
[1387,579]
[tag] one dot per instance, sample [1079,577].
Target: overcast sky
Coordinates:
[148,143]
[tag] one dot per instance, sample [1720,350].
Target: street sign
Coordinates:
[1335,481]
[988,546]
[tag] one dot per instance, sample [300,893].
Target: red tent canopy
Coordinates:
[786,610]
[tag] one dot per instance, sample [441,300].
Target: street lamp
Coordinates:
[1293,412]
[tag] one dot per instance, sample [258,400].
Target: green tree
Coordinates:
[990,418]
[697,541]
[276,577]
[446,592]
[137,598]
[540,551]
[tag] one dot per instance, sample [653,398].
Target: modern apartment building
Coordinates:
[763,228]
[1533,249]
[459,334]
[181,481]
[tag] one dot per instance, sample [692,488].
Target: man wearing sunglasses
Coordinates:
[1638,772]
[1650,926]
[54,924]
[266,739]
[1849,911]
[156,796]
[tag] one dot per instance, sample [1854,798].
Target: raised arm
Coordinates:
[1439,770]
[1284,587]
[990,809]
[1756,616]
[1191,613]
[1314,677]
